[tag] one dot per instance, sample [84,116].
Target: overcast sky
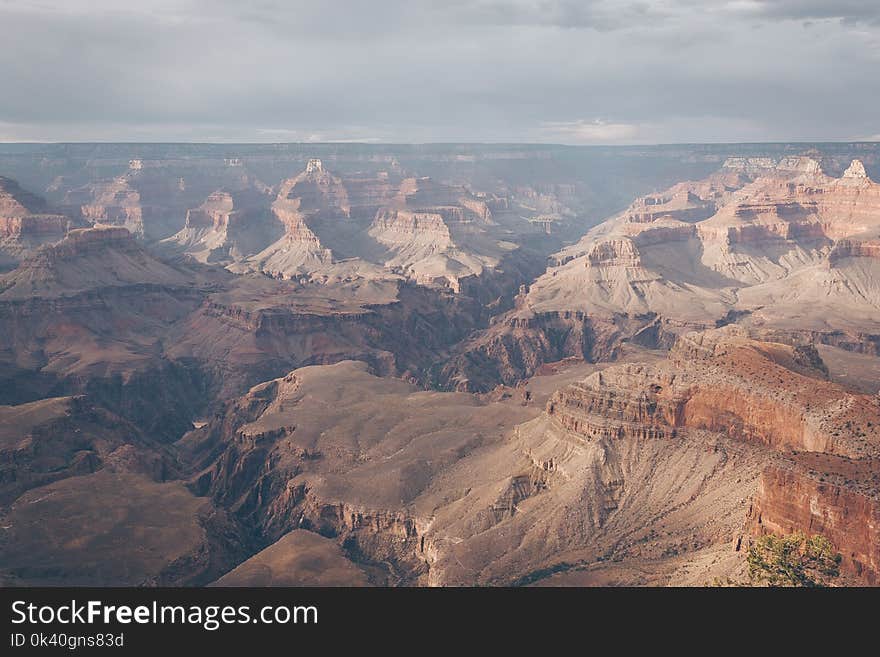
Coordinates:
[562,71]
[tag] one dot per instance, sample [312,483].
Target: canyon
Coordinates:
[780,247]
[440,365]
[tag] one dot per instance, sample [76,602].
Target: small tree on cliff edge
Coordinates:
[793,560]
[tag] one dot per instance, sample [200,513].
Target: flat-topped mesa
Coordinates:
[214,212]
[616,252]
[314,165]
[724,383]
[730,346]
[455,203]
[26,223]
[101,257]
[800,164]
[678,203]
[767,166]
[427,228]
[393,227]
[750,165]
[717,345]
[81,241]
[631,401]
[477,207]
[368,193]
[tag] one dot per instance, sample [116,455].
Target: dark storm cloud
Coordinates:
[523,70]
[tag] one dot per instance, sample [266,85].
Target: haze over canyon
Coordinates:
[366,364]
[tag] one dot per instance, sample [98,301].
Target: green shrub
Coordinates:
[793,560]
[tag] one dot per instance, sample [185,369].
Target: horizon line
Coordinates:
[439,143]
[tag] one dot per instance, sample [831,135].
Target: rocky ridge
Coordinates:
[784,248]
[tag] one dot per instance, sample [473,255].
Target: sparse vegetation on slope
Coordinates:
[793,560]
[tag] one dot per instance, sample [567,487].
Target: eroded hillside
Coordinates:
[435,366]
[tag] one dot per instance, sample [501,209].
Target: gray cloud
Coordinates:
[854,11]
[365,19]
[523,70]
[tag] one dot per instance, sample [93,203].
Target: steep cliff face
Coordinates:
[27,216]
[150,198]
[41,227]
[853,249]
[314,228]
[760,243]
[213,213]
[436,234]
[800,216]
[690,201]
[836,497]
[26,223]
[367,193]
[113,202]
[761,394]
[318,192]
[60,346]
[311,194]
[280,458]
[632,401]
[329,227]
[424,233]
[414,237]
[78,486]
[616,292]
[398,329]
[442,488]
[227,227]
[99,313]
[726,383]
[513,348]
[17,202]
